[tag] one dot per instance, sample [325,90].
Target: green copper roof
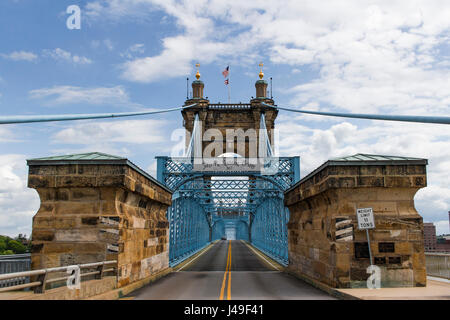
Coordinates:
[81,156]
[93,158]
[361,159]
[373,157]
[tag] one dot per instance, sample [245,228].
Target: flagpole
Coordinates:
[229,89]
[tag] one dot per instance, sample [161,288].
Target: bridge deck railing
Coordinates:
[14,266]
[438,264]
[42,276]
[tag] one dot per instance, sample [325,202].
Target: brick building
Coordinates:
[429,236]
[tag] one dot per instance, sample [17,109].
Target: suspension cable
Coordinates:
[70,117]
[420,119]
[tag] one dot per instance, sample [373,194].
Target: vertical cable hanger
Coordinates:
[187,88]
[271,89]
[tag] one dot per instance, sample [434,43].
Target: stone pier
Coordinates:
[325,244]
[97,207]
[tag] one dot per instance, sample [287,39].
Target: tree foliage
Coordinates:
[12,246]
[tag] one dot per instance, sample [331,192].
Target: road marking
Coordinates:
[222,289]
[195,258]
[261,256]
[229,277]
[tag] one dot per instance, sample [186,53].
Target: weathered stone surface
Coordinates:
[226,119]
[333,194]
[95,212]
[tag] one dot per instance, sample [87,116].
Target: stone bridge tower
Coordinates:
[226,116]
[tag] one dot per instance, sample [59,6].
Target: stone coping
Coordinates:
[332,162]
[124,161]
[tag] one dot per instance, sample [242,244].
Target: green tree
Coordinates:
[3,245]
[16,246]
[8,252]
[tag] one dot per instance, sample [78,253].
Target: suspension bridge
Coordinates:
[228,219]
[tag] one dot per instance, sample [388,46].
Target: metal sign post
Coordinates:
[366,222]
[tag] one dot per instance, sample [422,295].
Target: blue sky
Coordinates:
[368,57]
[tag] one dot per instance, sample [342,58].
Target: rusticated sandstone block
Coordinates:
[97,210]
[323,215]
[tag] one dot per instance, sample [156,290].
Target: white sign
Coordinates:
[74,280]
[365,218]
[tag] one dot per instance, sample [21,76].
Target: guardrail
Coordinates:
[39,285]
[15,256]
[438,264]
[14,263]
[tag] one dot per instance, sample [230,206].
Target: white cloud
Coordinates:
[16,216]
[107,43]
[316,145]
[110,132]
[132,51]
[6,135]
[69,94]
[382,58]
[20,56]
[442,227]
[62,55]
[152,168]
[369,57]
[173,62]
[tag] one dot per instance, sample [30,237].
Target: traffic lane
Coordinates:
[244,259]
[245,285]
[275,285]
[215,259]
[182,285]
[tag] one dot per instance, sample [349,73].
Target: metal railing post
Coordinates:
[42,278]
[100,269]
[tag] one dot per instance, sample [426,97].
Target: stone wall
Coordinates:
[223,119]
[324,242]
[96,212]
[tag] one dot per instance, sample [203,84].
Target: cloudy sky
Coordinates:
[386,57]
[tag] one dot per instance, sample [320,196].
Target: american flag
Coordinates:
[226,72]
[227,82]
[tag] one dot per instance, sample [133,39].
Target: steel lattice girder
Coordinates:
[175,171]
[269,229]
[189,228]
[252,205]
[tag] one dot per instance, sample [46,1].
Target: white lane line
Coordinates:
[261,256]
[195,258]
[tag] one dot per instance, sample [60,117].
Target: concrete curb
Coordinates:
[123,291]
[321,286]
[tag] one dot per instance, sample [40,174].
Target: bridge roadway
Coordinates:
[228,270]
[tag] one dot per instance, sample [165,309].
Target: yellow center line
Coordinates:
[229,278]
[222,290]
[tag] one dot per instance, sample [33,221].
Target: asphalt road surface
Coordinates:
[229,270]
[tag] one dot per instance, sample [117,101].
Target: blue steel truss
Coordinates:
[211,205]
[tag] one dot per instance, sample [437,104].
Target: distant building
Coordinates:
[443,244]
[429,236]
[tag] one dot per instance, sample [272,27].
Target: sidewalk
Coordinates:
[436,289]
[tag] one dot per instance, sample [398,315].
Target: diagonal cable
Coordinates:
[70,117]
[420,119]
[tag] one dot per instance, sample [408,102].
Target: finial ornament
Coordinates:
[198,72]
[261,73]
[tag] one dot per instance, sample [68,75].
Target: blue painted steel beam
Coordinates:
[70,117]
[419,119]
